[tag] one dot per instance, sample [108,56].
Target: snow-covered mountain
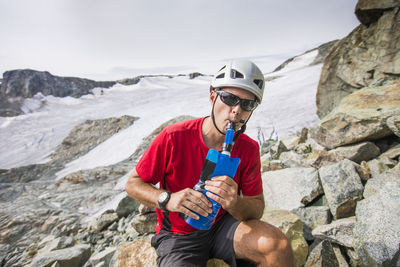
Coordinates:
[288,105]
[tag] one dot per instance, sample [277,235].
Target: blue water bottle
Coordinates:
[216,164]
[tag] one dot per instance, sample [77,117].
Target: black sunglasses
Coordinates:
[232,100]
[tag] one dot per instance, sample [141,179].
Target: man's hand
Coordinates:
[225,191]
[188,201]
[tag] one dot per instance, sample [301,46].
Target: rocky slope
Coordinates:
[369,55]
[17,85]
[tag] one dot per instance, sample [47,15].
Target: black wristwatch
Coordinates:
[163,199]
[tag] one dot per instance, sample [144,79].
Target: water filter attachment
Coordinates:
[222,164]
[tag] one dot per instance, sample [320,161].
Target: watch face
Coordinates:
[163,196]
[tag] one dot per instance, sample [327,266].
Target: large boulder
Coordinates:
[369,11]
[74,256]
[377,229]
[367,55]
[342,186]
[291,188]
[360,116]
[339,232]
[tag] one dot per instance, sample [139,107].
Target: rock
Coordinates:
[342,262]
[359,117]
[358,152]
[367,56]
[105,220]
[394,124]
[271,165]
[126,206]
[74,256]
[312,217]
[145,223]
[322,255]
[103,257]
[291,188]
[58,243]
[277,149]
[376,167]
[292,227]
[134,254]
[392,153]
[339,232]
[324,158]
[369,11]
[377,230]
[20,84]
[342,186]
[87,135]
[291,159]
[375,184]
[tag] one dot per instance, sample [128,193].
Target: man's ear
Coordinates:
[212,95]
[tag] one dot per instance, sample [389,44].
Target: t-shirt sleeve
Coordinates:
[250,182]
[152,165]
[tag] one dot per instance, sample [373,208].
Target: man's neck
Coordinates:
[211,137]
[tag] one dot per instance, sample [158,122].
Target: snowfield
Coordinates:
[288,105]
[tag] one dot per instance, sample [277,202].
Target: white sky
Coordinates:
[110,39]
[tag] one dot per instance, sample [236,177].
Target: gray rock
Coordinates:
[312,217]
[322,255]
[58,243]
[359,152]
[394,124]
[103,257]
[339,232]
[74,256]
[291,159]
[126,206]
[369,11]
[291,188]
[342,186]
[374,185]
[87,135]
[145,223]
[105,220]
[360,116]
[377,230]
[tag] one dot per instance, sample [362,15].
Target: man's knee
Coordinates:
[266,241]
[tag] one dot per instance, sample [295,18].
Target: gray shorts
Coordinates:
[194,249]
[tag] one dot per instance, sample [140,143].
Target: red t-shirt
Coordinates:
[176,157]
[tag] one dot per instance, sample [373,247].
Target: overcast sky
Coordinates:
[101,39]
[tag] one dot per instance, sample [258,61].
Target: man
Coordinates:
[175,159]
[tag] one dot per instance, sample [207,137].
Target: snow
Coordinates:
[288,105]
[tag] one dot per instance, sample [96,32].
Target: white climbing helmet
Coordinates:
[242,74]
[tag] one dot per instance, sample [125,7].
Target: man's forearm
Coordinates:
[141,191]
[248,208]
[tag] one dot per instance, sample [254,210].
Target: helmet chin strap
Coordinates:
[240,131]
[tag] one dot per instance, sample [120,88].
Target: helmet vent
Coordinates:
[222,68]
[259,83]
[235,74]
[222,75]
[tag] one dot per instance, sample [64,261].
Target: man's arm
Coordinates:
[184,201]
[241,207]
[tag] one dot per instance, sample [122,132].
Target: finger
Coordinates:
[200,199]
[216,198]
[198,206]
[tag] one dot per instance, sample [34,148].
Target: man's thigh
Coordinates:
[181,250]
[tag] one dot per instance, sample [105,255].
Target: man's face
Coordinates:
[224,114]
